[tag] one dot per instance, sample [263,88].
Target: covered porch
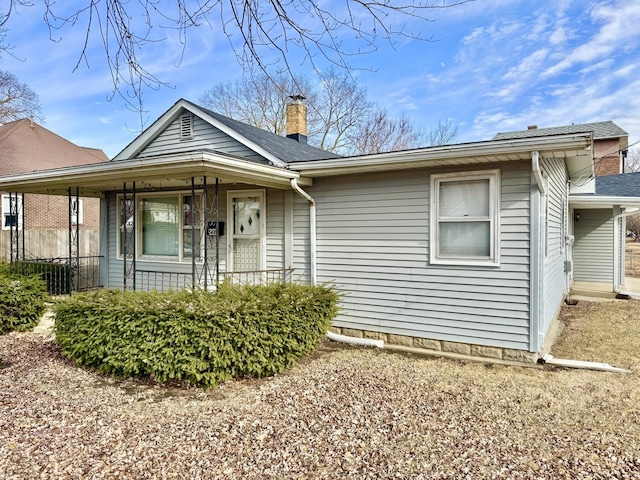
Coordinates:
[187,220]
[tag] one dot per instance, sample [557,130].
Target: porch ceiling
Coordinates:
[165,172]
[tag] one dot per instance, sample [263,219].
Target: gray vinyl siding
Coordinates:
[274,238]
[554,279]
[275,228]
[593,248]
[301,244]
[205,137]
[373,244]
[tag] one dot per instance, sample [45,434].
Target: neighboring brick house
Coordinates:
[610,142]
[26,146]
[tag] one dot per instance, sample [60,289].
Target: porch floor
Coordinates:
[605,290]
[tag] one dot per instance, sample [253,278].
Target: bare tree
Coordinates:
[381,133]
[258,99]
[17,100]
[307,31]
[443,134]
[341,106]
[632,160]
[340,119]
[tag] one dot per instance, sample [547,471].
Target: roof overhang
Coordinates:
[574,148]
[162,172]
[602,201]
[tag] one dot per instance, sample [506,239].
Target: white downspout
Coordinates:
[616,250]
[312,226]
[537,173]
[537,258]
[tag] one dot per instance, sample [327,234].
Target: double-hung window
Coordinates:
[12,211]
[465,218]
[165,226]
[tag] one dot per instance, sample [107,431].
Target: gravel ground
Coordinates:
[345,412]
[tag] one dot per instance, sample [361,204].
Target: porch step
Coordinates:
[45,326]
[589,289]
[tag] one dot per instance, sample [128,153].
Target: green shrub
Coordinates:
[199,337]
[22,300]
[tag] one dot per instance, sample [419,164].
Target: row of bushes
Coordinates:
[22,300]
[198,337]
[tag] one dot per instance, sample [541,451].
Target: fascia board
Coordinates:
[601,201]
[141,169]
[461,154]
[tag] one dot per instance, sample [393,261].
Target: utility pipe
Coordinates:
[616,249]
[312,226]
[365,342]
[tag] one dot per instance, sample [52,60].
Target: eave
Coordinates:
[575,148]
[602,201]
[163,172]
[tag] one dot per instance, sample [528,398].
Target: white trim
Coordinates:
[150,134]
[180,258]
[261,194]
[573,146]
[77,219]
[5,211]
[493,260]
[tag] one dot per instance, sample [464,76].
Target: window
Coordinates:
[76,211]
[11,217]
[165,225]
[465,218]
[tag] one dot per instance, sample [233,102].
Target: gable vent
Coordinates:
[186,126]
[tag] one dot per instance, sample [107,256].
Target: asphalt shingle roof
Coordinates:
[622,185]
[25,147]
[600,130]
[286,149]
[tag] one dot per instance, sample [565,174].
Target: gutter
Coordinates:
[312,226]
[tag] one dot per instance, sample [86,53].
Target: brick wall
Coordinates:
[52,212]
[607,157]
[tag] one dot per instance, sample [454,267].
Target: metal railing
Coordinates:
[157,280]
[259,277]
[60,275]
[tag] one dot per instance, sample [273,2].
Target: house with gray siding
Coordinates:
[468,248]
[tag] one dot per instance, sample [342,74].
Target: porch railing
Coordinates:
[158,280]
[60,275]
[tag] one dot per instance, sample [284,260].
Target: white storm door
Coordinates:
[246,239]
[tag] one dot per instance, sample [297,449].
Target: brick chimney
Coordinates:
[532,127]
[297,119]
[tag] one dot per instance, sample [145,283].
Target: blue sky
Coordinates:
[493,66]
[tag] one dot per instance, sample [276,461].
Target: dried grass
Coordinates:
[342,413]
[603,332]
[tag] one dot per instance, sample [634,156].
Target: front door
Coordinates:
[246,239]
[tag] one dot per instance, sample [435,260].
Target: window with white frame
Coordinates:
[77,211]
[465,218]
[166,225]
[11,217]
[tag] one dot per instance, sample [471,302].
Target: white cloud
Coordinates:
[617,27]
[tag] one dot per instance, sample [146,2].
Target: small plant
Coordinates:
[22,300]
[199,337]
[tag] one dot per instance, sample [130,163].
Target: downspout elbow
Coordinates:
[537,173]
[312,227]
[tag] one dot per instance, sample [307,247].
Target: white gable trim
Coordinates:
[146,137]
